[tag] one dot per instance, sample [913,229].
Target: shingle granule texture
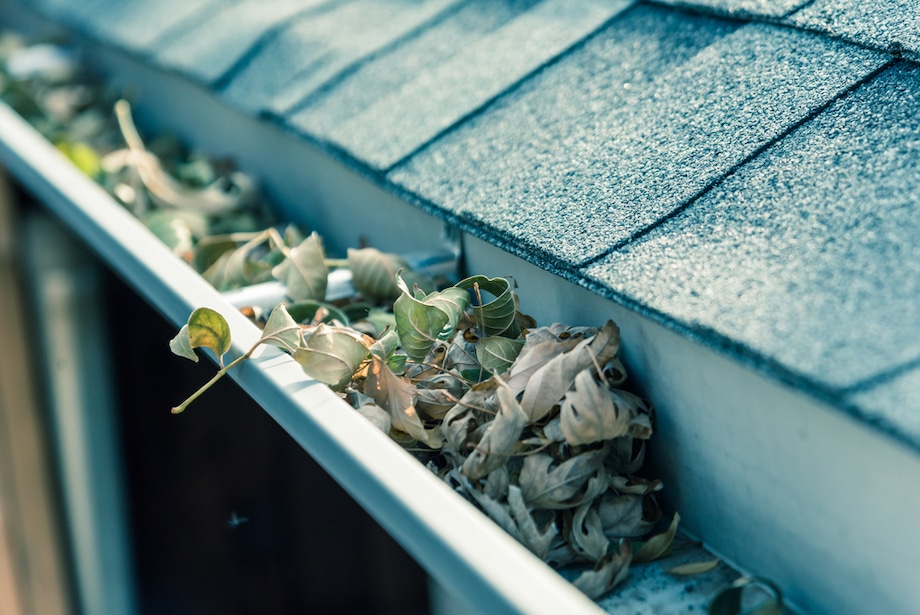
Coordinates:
[892,25]
[895,404]
[809,255]
[213,46]
[404,100]
[627,129]
[142,26]
[316,49]
[741,8]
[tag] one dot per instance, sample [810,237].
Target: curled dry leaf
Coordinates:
[658,545]
[608,572]
[422,321]
[587,533]
[588,413]
[397,396]
[495,317]
[555,487]
[282,331]
[530,535]
[548,384]
[627,515]
[693,568]
[436,394]
[500,437]
[205,329]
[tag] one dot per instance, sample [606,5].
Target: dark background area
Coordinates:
[303,546]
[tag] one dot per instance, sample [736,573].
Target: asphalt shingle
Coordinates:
[401,101]
[312,51]
[741,8]
[809,255]
[895,405]
[892,25]
[142,26]
[627,129]
[214,46]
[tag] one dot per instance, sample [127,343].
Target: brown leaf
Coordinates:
[658,545]
[397,396]
[589,413]
[694,568]
[627,515]
[607,574]
[549,383]
[500,437]
[587,535]
[555,487]
[537,540]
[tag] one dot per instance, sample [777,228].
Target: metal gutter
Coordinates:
[462,550]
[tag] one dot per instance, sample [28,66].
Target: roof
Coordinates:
[744,172]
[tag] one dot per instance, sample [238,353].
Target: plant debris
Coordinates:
[529,423]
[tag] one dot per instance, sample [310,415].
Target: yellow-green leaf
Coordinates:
[658,545]
[694,568]
[208,329]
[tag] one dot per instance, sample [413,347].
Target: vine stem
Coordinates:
[220,374]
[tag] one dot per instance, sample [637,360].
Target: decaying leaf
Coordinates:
[693,568]
[658,545]
[530,535]
[627,515]
[397,396]
[548,384]
[374,273]
[282,331]
[500,437]
[589,414]
[587,533]
[608,572]
[555,487]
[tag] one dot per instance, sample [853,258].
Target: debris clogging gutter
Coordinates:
[462,549]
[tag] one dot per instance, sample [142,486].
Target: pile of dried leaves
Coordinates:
[531,424]
[528,423]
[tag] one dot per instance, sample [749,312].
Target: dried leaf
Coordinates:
[587,534]
[658,545]
[588,413]
[437,394]
[537,540]
[181,345]
[304,272]
[545,486]
[496,316]
[607,574]
[627,515]
[540,346]
[397,396]
[549,383]
[332,354]
[694,568]
[420,322]
[500,437]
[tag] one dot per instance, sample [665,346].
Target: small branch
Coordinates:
[220,374]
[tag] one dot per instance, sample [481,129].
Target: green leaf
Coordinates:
[384,347]
[181,345]
[331,354]
[304,272]
[658,545]
[498,315]
[208,329]
[421,321]
[496,354]
[281,330]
